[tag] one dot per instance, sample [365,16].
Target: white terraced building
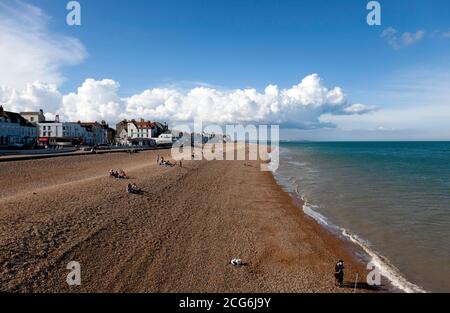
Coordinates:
[15,130]
[65,130]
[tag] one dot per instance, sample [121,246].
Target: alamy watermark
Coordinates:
[74,16]
[374,276]
[215,142]
[74,276]
[374,16]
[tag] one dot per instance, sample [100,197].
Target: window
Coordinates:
[31,119]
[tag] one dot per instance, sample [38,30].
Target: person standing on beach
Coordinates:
[339,273]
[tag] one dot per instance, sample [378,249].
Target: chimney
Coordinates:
[57,118]
[41,117]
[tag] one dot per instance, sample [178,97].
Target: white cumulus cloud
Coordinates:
[94,100]
[299,106]
[33,97]
[29,50]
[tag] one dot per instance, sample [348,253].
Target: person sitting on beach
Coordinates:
[339,273]
[135,188]
[162,161]
[130,188]
[113,173]
[121,174]
[168,163]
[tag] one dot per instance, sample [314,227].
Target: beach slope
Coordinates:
[178,236]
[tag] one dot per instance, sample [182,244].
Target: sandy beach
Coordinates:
[178,236]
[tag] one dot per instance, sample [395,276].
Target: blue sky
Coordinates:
[229,45]
[244,43]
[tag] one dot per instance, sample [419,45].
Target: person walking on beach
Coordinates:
[157,160]
[339,273]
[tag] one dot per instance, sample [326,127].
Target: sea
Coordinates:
[392,199]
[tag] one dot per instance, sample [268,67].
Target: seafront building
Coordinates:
[32,128]
[34,117]
[52,133]
[57,133]
[16,130]
[102,134]
[142,133]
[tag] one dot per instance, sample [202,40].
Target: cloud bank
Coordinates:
[298,107]
[29,50]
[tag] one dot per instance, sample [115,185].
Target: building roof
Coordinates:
[15,118]
[91,125]
[30,113]
[144,125]
[50,122]
[158,124]
[123,123]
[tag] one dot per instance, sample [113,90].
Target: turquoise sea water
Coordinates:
[393,198]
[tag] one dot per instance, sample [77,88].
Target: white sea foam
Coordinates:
[274,160]
[385,267]
[301,164]
[315,215]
